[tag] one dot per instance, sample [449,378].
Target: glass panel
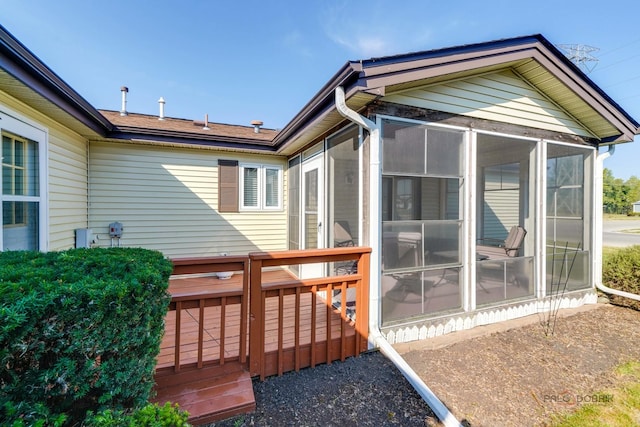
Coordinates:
[250,186]
[33,169]
[272,187]
[343,175]
[444,152]
[7,150]
[442,242]
[412,295]
[311,209]
[19,182]
[7,180]
[387,191]
[453,199]
[503,280]
[406,199]
[567,270]
[294,203]
[401,245]
[19,153]
[569,202]
[7,213]
[403,148]
[22,236]
[506,184]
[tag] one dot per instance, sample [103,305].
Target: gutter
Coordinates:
[375,335]
[598,282]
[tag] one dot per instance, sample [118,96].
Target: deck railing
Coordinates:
[312,315]
[200,301]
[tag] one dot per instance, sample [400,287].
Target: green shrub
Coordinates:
[151,415]
[621,271]
[79,330]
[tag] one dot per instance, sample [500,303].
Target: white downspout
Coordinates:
[597,259]
[375,336]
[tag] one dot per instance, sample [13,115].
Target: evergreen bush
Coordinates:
[621,271]
[79,330]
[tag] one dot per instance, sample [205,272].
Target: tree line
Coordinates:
[618,195]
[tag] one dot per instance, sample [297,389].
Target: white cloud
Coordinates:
[378,29]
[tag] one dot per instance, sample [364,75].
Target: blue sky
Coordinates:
[239,61]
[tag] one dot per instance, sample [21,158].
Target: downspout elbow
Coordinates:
[345,111]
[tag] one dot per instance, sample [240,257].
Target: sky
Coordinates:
[239,61]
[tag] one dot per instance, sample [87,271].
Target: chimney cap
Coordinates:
[124,89]
[161,100]
[256,123]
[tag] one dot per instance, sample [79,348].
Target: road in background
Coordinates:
[613,232]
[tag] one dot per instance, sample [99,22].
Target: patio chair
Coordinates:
[507,249]
[342,238]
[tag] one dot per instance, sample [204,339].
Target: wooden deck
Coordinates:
[222,387]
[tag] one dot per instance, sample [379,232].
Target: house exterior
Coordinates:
[423,157]
[636,207]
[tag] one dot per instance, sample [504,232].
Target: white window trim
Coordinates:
[20,125]
[262,196]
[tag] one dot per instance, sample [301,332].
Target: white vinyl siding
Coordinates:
[167,199]
[501,97]
[68,198]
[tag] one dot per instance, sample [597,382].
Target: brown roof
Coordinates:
[144,123]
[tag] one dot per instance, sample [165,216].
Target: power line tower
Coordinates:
[581,55]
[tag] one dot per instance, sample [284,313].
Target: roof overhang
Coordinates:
[532,57]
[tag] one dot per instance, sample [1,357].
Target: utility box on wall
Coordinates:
[115,230]
[84,238]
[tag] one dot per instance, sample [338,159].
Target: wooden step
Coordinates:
[209,394]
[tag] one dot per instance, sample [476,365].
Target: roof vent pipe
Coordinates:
[206,122]
[161,103]
[256,125]
[123,109]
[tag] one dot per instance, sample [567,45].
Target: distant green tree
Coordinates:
[634,185]
[617,195]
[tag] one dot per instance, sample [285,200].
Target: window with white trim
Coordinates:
[20,195]
[260,187]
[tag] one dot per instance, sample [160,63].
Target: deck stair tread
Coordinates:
[209,394]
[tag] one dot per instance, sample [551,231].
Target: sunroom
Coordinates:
[471,172]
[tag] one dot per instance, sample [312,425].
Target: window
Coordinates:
[421,220]
[20,192]
[568,218]
[260,187]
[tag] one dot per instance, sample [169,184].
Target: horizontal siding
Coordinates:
[68,195]
[502,97]
[167,199]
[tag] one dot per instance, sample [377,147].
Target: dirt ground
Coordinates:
[520,376]
[500,375]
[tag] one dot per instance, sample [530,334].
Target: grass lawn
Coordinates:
[618,406]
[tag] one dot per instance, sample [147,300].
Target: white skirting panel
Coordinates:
[461,321]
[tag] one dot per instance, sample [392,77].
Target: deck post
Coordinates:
[256,322]
[362,301]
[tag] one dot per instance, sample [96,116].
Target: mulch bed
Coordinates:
[520,377]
